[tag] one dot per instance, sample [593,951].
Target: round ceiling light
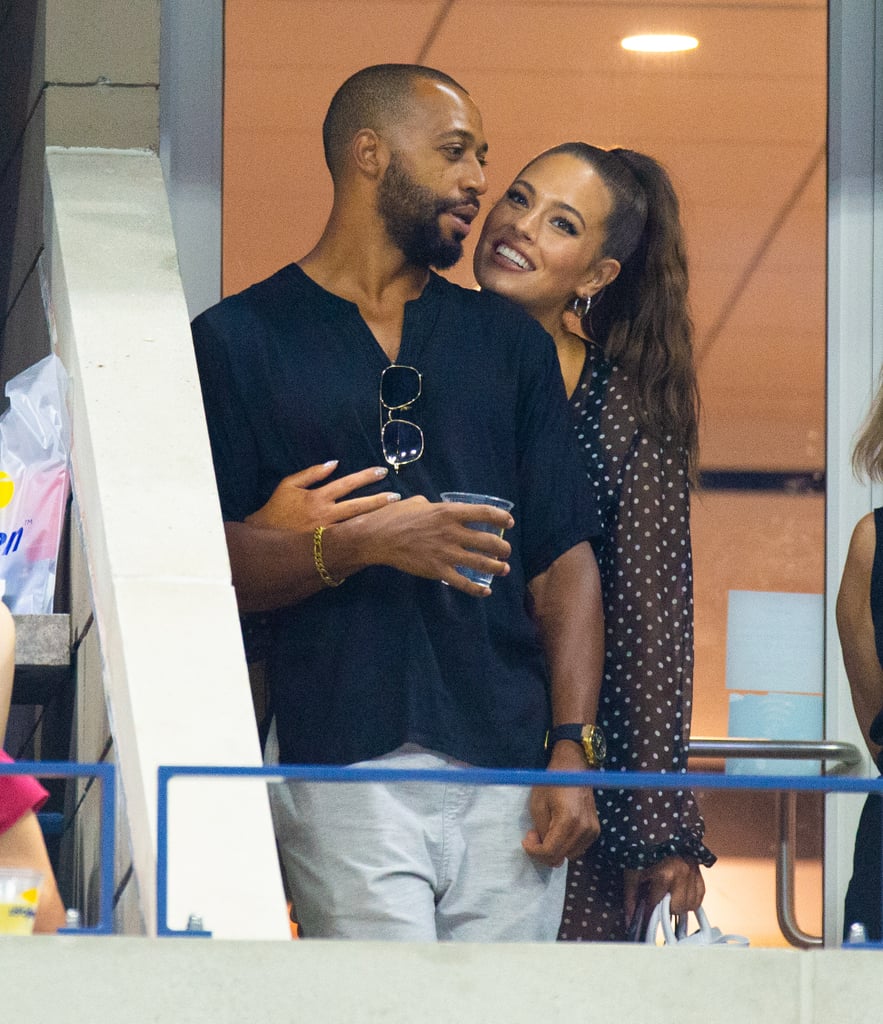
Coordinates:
[658,42]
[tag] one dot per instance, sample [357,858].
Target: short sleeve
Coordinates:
[18,795]
[234,451]
[559,507]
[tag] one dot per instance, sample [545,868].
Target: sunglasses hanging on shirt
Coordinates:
[400,439]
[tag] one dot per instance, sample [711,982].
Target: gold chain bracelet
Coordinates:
[319,561]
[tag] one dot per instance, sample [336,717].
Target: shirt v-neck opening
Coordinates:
[419,318]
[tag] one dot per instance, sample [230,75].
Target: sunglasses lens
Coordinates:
[399,386]
[402,442]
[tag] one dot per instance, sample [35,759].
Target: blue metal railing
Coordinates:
[479,776]
[106,774]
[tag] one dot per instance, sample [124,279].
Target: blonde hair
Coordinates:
[867,456]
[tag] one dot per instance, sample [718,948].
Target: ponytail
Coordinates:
[643,320]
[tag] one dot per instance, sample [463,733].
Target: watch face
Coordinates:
[594,744]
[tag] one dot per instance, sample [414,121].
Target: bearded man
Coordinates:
[382,651]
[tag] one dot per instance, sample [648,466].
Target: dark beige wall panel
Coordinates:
[21,69]
[25,334]
[103,116]
[21,222]
[102,40]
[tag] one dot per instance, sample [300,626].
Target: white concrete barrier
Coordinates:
[174,672]
[137,981]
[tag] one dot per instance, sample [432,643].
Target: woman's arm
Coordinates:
[299,504]
[22,846]
[656,838]
[856,628]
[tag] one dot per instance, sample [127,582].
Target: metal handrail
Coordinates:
[845,754]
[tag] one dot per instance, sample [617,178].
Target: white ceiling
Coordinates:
[740,123]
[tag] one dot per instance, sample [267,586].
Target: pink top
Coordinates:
[18,794]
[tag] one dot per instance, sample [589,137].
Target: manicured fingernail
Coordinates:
[381,471]
[394,497]
[330,463]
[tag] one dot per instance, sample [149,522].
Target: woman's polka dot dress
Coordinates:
[645,563]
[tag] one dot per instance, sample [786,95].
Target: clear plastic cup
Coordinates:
[484,579]
[19,896]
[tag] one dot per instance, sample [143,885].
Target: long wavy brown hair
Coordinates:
[642,319]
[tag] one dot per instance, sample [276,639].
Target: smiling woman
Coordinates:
[598,232]
[542,243]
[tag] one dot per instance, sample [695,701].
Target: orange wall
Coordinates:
[740,123]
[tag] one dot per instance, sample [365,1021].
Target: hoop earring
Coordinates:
[581,306]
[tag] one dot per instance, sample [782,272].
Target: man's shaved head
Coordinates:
[374,97]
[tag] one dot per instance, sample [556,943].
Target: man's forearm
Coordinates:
[276,567]
[273,568]
[569,610]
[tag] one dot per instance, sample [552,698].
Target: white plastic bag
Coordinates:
[706,935]
[34,484]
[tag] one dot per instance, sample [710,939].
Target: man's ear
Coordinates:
[370,153]
[600,275]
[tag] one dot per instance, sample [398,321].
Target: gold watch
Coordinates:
[590,737]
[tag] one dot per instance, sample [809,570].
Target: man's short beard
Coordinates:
[410,213]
